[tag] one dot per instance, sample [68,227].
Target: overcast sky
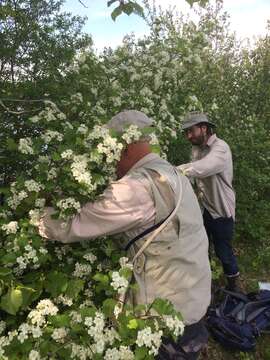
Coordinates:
[247,17]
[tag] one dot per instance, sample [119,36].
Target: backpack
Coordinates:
[239,318]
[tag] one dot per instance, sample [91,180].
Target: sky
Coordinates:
[248,19]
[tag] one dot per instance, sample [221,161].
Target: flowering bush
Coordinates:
[61,301]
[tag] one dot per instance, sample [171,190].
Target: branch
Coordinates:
[83,4]
[17,112]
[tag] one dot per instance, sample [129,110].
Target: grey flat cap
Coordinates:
[195,118]
[129,117]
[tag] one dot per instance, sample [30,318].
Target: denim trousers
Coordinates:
[220,233]
[188,346]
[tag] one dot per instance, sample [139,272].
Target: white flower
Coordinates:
[59,334]
[132,134]
[119,283]
[34,217]
[32,185]
[80,172]
[50,135]
[2,326]
[67,154]
[124,263]
[52,173]
[82,270]
[69,203]
[25,146]
[174,324]
[34,355]
[44,307]
[82,129]
[40,203]
[11,227]
[151,340]
[90,257]
[76,98]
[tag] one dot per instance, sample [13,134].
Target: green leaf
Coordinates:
[155,149]
[141,353]
[28,295]
[116,12]
[108,307]
[163,307]
[74,288]
[9,259]
[5,272]
[109,3]
[11,145]
[56,283]
[99,277]
[132,324]
[138,9]
[128,8]
[59,320]
[12,301]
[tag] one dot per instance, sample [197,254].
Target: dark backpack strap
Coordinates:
[145,232]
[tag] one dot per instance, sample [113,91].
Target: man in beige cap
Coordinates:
[212,169]
[175,264]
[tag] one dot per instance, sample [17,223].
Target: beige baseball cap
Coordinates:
[122,120]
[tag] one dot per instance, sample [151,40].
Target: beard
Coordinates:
[198,140]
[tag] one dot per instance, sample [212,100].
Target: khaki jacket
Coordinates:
[175,265]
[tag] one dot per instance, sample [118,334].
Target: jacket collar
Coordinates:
[147,158]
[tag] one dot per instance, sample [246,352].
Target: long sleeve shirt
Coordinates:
[212,168]
[126,206]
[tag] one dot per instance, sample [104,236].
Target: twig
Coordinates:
[83,4]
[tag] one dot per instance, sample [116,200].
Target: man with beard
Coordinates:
[212,168]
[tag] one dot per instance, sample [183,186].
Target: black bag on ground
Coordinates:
[237,319]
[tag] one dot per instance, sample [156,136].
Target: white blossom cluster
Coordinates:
[90,257]
[10,228]
[82,129]
[77,98]
[50,135]
[123,353]
[151,340]
[32,185]
[124,263]
[29,258]
[119,283]
[17,198]
[63,299]
[101,335]
[132,134]
[38,315]
[174,324]
[69,203]
[34,217]
[82,270]
[80,352]
[80,172]
[34,355]
[25,330]
[26,146]
[59,334]
[52,173]
[67,154]
[111,148]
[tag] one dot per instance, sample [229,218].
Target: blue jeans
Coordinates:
[220,233]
